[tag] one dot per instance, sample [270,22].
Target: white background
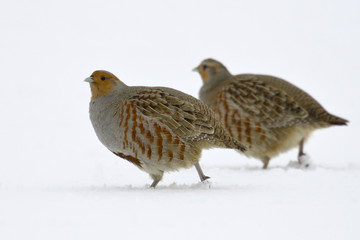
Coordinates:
[58,182]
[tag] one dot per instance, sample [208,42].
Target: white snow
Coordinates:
[58,182]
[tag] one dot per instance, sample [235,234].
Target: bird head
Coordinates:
[210,68]
[101,83]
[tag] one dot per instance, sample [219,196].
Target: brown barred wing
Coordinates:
[186,119]
[264,103]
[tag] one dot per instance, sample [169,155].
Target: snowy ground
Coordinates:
[242,201]
[58,182]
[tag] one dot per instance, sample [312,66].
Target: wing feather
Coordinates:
[183,117]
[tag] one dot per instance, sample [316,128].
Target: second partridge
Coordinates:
[267,114]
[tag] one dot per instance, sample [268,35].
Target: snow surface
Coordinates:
[58,182]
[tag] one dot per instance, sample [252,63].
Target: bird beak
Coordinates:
[89,80]
[196,69]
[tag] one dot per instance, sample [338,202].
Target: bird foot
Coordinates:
[206,183]
[304,161]
[204,178]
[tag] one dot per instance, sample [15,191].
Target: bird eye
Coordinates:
[204,67]
[102,78]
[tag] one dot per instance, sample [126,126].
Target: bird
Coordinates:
[266,114]
[157,129]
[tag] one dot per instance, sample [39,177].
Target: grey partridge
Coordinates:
[157,129]
[267,114]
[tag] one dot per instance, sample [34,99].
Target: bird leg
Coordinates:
[302,158]
[301,150]
[200,172]
[154,183]
[156,178]
[265,161]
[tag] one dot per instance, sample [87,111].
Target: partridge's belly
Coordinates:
[260,140]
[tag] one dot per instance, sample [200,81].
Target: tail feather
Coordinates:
[227,141]
[240,147]
[235,145]
[335,120]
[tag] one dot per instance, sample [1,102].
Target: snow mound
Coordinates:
[304,162]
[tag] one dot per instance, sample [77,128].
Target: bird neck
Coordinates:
[212,85]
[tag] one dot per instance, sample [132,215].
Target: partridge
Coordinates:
[266,114]
[157,129]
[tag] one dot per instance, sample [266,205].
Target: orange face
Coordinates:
[203,73]
[101,83]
